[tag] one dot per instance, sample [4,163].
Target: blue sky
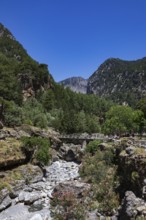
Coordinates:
[75,36]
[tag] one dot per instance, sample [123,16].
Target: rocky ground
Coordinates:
[26,192]
[33,201]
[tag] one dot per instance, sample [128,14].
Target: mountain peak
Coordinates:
[76,84]
[120,80]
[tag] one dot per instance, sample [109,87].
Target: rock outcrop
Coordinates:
[75,187]
[132,207]
[76,84]
[71,152]
[131,167]
[12,152]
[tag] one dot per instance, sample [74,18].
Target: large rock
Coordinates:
[132,207]
[36,217]
[29,197]
[71,152]
[5,203]
[130,150]
[3,194]
[76,84]
[28,131]
[76,187]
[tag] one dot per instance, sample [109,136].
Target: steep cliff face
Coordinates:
[20,74]
[123,81]
[76,84]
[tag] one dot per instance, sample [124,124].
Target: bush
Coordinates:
[33,113]
[40,120]
[101,173]
[12,114]
[93,146]
[67,206]
[40,147]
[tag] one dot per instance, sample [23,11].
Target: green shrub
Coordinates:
[40,147]
[40,120]
[33,113]
[12,114]
[99,171]
[67,206]
[93,146]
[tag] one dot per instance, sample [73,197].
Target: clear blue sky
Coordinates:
[75,36]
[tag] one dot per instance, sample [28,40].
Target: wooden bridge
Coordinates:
[79,138]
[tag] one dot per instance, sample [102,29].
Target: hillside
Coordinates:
[119,80]
[122,81]
[29,95]
[76,84]
[21,76]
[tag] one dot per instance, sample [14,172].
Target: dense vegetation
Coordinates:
[29,95]
[71,113]
[122,81]
[18,71]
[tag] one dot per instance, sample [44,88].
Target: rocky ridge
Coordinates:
[119,80]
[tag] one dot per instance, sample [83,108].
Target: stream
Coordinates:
[33,201]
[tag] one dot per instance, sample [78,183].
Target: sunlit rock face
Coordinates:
[76,84]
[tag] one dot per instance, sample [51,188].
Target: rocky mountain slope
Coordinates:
[122,81]
[76,84]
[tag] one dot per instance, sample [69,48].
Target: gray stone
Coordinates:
[130,150]
[141,208]
[28,189]
[102,218]
[131,206]
[114,218]
[13,194]
[5,203]
[1,125]
[92,215]
[39,193]
[21,196]
[3,194]
[71,152]
[31,198]
[36,217]
[76,187]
